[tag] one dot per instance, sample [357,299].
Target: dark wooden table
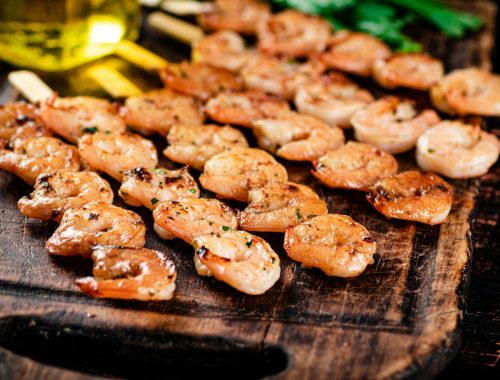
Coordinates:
[479,352]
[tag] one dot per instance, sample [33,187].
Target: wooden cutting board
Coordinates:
[400,318]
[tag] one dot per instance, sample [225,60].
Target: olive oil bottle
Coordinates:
[56,35]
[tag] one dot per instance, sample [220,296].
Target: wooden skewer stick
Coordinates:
[113,82]
[31,86]
[174,27]
[139,56]
[186,7]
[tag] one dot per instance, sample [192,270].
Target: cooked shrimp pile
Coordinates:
[207,111]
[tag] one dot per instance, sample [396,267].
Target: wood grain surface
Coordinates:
[400,318]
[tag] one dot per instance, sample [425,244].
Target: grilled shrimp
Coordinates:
[58,191]
[241,16]
[190,218]
[334,243]
[194,146]
[130,273]
[297,137]
[146,187]
[72,117]
[392,124]
[241,260]
[157,111]
[412,195]
[32,156]
[277,205]
[354,52]
[332,98]
[224,49]
[468,91]
[419,71]
[354,166]
[199,80]
[94,224]
[21,120]
[293,33]
[233,173]
[457,150]
[241,108]
[117,153]
[278,76]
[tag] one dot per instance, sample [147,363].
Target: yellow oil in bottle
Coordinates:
[56,35]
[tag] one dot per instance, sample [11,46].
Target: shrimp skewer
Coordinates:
[116,153]
[36,155]
[297,137]
[241,108]
[158,110]
[468,91]
[194,146]
[277,205]
[392,124]
[457,150]
[58,191]
[190,218]
[293,33]
[241,260]
[94,224]
[334,243]
[332,98]
[130,273]
[72,117]
[419,71]
[233,173]
[414,196]
[354,166]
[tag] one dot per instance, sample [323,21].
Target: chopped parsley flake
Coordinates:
[154,201]
[297,214]
[159,171]
[90,130]
[249,243]
[192,190]
[430,150]
[226,228]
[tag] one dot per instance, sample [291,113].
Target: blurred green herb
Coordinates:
[387,18]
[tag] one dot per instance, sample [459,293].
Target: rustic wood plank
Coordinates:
[399,318]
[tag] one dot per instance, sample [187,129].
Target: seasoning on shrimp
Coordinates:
[277,205]
[73,117]
[147,187]
[468,91]
[96,223]
[297,137]
[293,33]
[199,80]
[116,153]
[33,156]
[224,49]
[457,150]
[194,146]
[419,71]
[157,111]
[278,76]
[21,120]
[58,191]
[354,52]
[354,166]
[332,98]
[190,218]
[334,243]
[392,124]
[130,273]
[241,16]
[412,195]
[241,108]
[241,260]
[233,173]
